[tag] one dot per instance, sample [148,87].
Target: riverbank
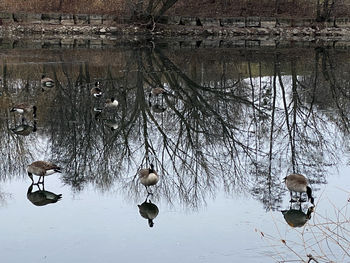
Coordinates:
[108,25]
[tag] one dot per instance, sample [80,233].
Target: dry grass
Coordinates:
[117,7]
[204,8]
[325,238]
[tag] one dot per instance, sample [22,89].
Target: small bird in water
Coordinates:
[42,169]
[96,91]
[112,102]
[24,108]
[298,183]
[112,124]
[42,197]
[46,83]
[148,177]
[157,91]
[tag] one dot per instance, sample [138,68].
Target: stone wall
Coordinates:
[237,22]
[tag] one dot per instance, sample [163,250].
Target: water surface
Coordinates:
[236,119]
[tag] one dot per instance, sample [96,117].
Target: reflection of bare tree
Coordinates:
[232,132]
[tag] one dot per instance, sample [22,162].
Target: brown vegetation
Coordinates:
[205,8]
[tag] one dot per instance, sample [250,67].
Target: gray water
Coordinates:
[236,119]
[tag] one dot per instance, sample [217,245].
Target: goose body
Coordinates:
[96,91]
[42,169]
[148,177]
[149,211]
[112,102]
[112,124]
[42,197]
[299,184]
[47,82]
[157,91]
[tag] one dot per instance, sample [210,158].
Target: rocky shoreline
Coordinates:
[331,33]
[17,25]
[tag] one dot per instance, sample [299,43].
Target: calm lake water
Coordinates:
[237,117]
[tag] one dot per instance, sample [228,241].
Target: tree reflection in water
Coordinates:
[240,132]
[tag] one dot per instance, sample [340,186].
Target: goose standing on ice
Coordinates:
[299,184]
[148,177]
[42,169]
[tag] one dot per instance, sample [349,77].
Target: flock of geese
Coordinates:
[147,176]
[295,183]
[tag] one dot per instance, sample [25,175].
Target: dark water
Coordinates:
[236,119]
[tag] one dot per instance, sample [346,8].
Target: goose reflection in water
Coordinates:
[24,129]
[296,217]
[42,197]
[149,211]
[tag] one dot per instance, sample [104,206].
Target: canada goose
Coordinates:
[149,211]
[297,218]
[112,124]
[97,112]
[298,183]
[24,108]
[157,91]
[24,129]
[42,169]
[46,82]
[42,197]
[112,102]
[96,91]
[148,177]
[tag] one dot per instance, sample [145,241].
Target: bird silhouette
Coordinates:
[296,217]
[149,211]
[42,197]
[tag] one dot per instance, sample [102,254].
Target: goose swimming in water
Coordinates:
[42,169]
[24,108]
[112,124]
[299,184]
[96,91]
[157,91]
[46,83]
[112,102]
